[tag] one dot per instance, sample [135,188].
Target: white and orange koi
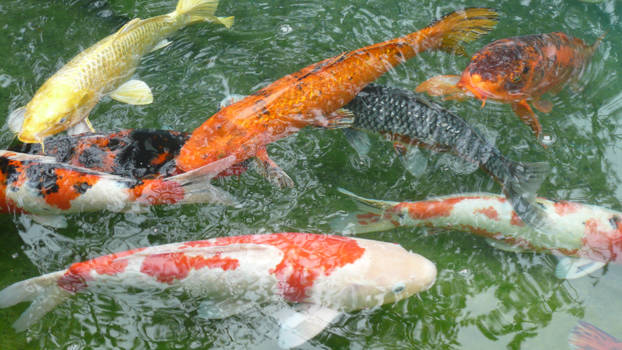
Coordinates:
[323,275]
[43,187]
[586,236]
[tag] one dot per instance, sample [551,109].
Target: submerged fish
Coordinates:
[39,185]
[586,236]
[66,99]
[323,275]
[586,336]
[314,95]
[518,70]
[407,119]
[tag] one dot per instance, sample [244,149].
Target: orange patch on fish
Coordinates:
[167,268]
[564,208]
[158,191]
[490,212]
[69,186]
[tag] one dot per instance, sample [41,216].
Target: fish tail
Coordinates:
[585,336]
[44,293]
[462,26]
[369,218]
[200,11]
[520,182]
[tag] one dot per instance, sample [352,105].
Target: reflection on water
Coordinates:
[483,298]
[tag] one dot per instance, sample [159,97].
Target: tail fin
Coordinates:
[520,186]
[44,293]
[585,336]
[463,26]
[202,10]
[369,218]
[197,188]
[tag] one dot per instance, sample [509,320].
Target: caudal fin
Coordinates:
[44,293]
[369,218]
[202,10]
[463,26]
[585,336]
[520,186]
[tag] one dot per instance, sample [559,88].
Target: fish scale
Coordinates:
[409,119]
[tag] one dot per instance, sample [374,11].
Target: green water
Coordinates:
[483,298]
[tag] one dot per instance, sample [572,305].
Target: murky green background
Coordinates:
[483,299]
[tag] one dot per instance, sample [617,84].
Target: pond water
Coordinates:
[483,298]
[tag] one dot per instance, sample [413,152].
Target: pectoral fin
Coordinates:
[271,171]
[504,246]
[359,140]
[412,158]
[526,114]
[571,268]
[297,327]
[16,120]
[134,92]
[340,119]
[162,44]
[445,86]
[210,309]
[55,221]
[81,128]
[544,106]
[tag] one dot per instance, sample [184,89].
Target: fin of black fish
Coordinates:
[299,326]
[271,171]
[359,140]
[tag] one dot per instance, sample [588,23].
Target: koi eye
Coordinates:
[516,78]
[398,288]
[63,120]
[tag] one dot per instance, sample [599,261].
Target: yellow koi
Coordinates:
[65,100]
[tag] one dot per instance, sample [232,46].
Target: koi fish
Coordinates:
[407,119]
[518,70]
[322,275]
[41,186]
[314,95]
[131,153]
[585,236]
[65,100]
[586,336]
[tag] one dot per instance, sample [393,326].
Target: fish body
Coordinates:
[586,336]
[313,95]
[518,70]
[330,274]
[34,184]
[67,97]
[407,119]
[579,230]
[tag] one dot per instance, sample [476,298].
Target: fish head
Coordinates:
[53,110]
[498,72]
[390,273]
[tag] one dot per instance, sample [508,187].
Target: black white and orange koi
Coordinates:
[323,274]
[590,236]
[34,184]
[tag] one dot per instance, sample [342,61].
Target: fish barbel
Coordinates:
[313,95]
[587,236]
[67,97]
[408,119]
[325,275]
[517,70]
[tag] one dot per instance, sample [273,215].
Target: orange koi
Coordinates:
[315,94]
[517,70]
